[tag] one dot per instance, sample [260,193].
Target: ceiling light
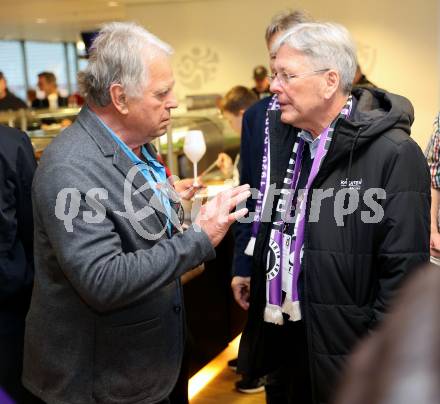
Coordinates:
[41,20]
[113,4]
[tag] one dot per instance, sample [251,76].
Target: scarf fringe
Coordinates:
[249,250]
[273,314]
[292,309]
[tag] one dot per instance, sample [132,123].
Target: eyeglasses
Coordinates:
[284,78]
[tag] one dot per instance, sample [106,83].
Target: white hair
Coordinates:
[326,45]
[117,56]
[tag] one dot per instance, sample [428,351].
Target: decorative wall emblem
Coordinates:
[197,67]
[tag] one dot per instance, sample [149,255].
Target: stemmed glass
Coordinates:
[194,148]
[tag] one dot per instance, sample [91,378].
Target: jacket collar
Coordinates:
[109,148]
[283,136]
[91,124]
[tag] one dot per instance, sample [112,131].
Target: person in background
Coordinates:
[262,84]
[433,157]
[253,142]
[360,80]
[47,85]
[75,100]
[31,96]
[17,167]
[328,257]
[9,100]
[106,315]
[400,362]
[234,104]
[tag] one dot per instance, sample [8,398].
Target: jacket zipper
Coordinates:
[306,306]
[307,323]
[306,292]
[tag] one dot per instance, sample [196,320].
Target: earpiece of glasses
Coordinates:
[284,78]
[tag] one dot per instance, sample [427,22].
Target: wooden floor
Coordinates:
[221,391]
[215,383]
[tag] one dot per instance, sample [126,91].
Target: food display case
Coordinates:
[43,126]
[218,137]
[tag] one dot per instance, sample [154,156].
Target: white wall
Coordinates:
[398,43]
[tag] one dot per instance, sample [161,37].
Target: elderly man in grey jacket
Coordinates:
[106,319]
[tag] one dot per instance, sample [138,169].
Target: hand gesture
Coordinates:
[215,216]
[186,189]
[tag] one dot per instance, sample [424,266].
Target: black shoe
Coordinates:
[232,364]
[249,386]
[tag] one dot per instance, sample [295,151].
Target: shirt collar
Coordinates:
[129,151]
[313,143]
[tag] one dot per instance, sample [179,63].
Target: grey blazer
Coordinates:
[106,319]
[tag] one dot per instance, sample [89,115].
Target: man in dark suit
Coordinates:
[47,83]
[17,166]
[106,323]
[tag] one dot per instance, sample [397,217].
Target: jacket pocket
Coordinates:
[127,361]
[337,328]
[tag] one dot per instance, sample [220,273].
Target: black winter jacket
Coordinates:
[351,271]
[17,167]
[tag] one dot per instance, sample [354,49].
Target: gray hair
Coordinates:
[326,45]
[285,20]
[117,57]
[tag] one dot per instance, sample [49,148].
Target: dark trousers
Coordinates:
[11,366]
[290,383]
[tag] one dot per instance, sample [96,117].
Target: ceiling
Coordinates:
[62,20]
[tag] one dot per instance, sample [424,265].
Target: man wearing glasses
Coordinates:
[349,220]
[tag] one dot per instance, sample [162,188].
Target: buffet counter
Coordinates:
[43,126]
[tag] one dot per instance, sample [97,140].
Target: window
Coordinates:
[83,63]
[57,57]
[12,66]
[72,64]
[46,56]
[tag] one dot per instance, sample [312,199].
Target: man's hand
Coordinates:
[435,235]
[186,189]
[435,244]
[241,288]
[215,216]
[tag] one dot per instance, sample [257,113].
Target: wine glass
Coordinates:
[194,148]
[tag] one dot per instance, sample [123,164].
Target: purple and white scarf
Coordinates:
[265,178]
[285,250]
